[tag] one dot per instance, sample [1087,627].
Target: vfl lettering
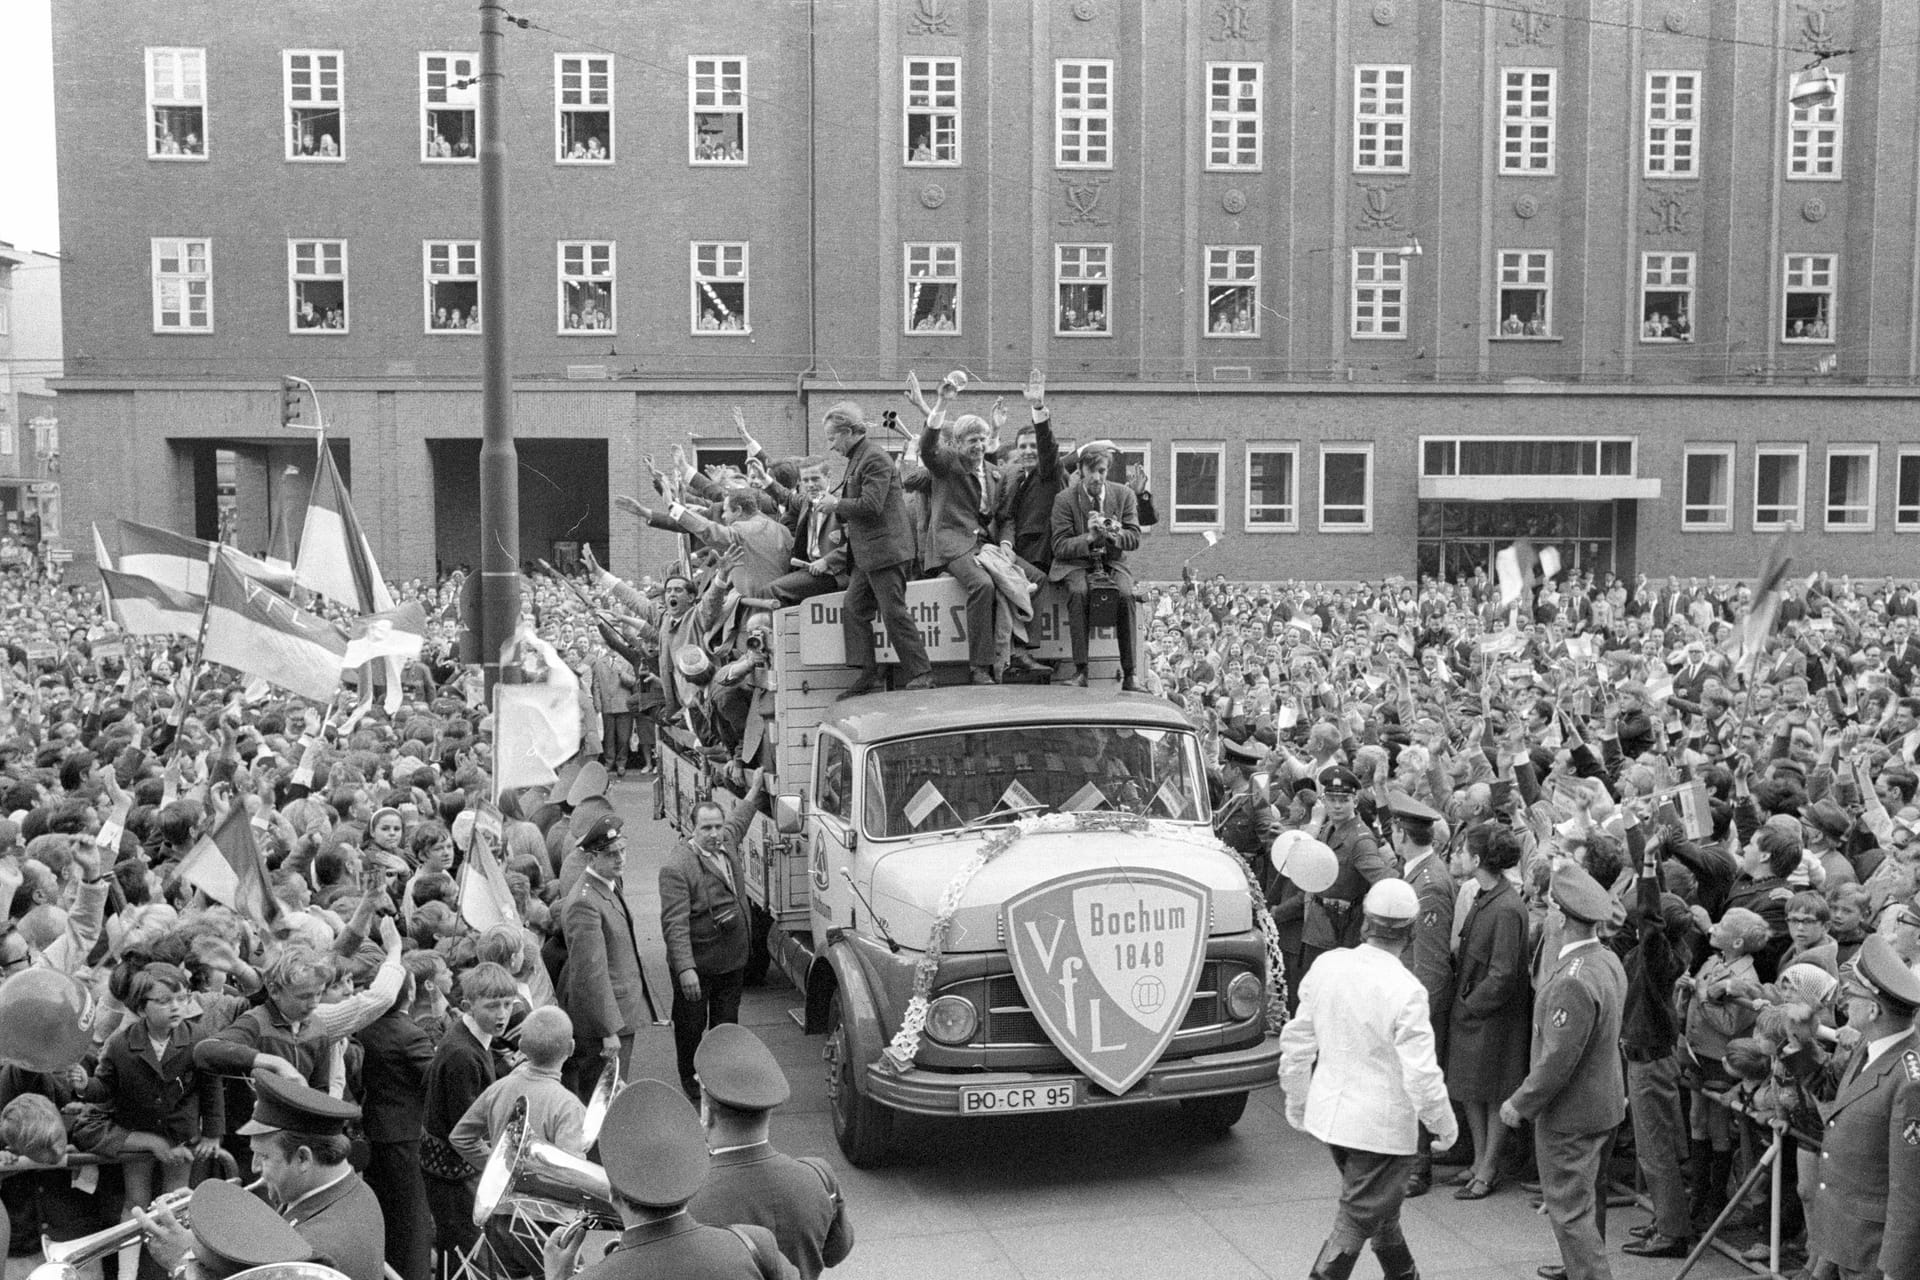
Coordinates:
[1047,949]
[1067,984]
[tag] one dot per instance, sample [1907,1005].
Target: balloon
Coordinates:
[46,1020]
[1305,861]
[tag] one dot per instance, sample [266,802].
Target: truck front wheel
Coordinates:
[863,1128]
[1214,1115]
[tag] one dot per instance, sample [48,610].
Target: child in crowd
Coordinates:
[1719,1009]
[467,1061]
[1808,914]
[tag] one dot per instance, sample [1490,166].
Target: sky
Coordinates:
[29,204]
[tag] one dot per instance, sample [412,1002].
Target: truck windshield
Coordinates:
[938,783]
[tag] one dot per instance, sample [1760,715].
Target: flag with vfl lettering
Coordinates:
[144,607]
[227,866]
[259,632]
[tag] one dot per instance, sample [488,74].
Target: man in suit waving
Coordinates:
[964,492]
[1095,524]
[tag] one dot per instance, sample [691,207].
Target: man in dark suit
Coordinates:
[1025,515]
[1095,524]
[300,1149]
[963,493]
[1691,679]
[819,542]
[873,510]
[393,1080]
[1430,954]
[602,987]
[706,923]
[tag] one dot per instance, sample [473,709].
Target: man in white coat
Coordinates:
[1357,1063]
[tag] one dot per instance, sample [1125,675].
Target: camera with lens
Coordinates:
[758,642]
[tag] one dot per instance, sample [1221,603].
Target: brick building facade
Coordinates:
[1369,286]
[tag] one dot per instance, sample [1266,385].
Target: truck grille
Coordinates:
[1006,1021]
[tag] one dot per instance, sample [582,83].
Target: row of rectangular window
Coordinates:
[932,300]
[1850,498]
[717,104]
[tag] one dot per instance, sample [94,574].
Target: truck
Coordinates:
[1000,899]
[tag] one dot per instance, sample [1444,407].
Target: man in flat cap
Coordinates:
[1430,954]
[798,1200]
[1333,916]
[1575,1092]
[232,1231]
[1866,1213]
[602,987]
[1095,523]
[300,1151]
[655,1157]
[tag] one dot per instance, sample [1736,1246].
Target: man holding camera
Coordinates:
[1095,524]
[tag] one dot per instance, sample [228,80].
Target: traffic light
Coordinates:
[291,392]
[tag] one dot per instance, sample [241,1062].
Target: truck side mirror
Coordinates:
[786,814]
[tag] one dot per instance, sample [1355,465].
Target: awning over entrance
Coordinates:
[1536,488]
[1532,469]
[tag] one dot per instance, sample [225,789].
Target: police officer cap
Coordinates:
[652,1146]
[1405,806]
[1339,782]
[1580,895]
[234,1230]
[1392,900]
[1232,752]
[280,1103]
[737,1070]
[602,832]
[1881,969]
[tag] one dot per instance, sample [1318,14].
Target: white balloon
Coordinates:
[1307,862]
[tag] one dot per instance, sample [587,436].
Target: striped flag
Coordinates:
[144,607]
[227,866]
[485,899]
[536,727]
[335,558]
[1750,639]
[101,556]
[177,561]
[259,632]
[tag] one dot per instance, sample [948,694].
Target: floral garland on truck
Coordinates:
[900,1053]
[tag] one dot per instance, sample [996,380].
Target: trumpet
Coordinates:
[65,1258]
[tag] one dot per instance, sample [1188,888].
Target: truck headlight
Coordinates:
[1246,995]
[952,1019]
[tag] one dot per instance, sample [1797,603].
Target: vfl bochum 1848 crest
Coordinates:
[1108,961]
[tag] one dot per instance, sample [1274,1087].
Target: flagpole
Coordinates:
[199,647]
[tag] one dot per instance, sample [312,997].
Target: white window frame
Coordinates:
[1128,451]
[180,249]
[1292,505]
[1869,512]
[1727,455]
[317,77]
[1905,519]
[1382,104]
[1812,130]
[721,250]
[713,101]
[1668,273]
[591,254]
[1226,265]
[1363,448]
[319,275]
[465,98]
[1524,269]
[923,78]
[1525,131]
[175,95]
[1670,138]
[1075,126]
[1377,295]
[1225,133]
[1801,273]
[933,254]
[588,68]
[455,251]
[1082,264]
[1218,451]
[1798,518]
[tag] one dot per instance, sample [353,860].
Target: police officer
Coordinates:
[1358,1066]
[1866,1215]
[798,1200]
[655,1159]
[232,1231]
[1430,955]
[1575,1092]
[1245,822]
[1333,917]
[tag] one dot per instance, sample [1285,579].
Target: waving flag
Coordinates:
[143,607]
[177,561]
[394,633]
[1749,640]
[536,726]
[259,632]
[227,866]
[336,560]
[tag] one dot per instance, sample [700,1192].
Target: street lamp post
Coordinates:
[499,460]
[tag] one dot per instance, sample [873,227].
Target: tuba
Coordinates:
[604,1092]
[65,1259]
[523,1167]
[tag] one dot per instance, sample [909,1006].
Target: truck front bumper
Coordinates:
[937,1093]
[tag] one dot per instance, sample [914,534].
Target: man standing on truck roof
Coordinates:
[872,506]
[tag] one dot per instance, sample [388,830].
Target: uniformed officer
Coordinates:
[232,1231]
[1430,956]
[1333,917]
[300,1149]
[655,1159]
[1575,1092]
[1866,1215]
[798,1200]
[1358,1066]
[1244,820]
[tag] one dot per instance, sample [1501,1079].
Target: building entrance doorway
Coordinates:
[1455,538]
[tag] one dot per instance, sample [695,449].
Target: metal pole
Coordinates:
[499,462]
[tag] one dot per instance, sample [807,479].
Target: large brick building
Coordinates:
[1370,286]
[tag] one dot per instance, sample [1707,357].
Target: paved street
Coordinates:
[1106,1195]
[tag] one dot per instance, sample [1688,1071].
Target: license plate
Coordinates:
[1017,1097]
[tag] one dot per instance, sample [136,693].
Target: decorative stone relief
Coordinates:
[1083,202]
[1665,213]
[1233,20]
[1234,201]
[1526,205]
[932,18]
[933,195]
[1814,209]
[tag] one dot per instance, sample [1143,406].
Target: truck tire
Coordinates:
[863,1128]
[1214,1115]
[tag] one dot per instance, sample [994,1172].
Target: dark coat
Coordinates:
[682,1249]
[1488,1033]
[873,508]
[705,921]
[602,987]
[960,511]
[393,1077]
[1576,1083]
[1074,548]
[797,1200]
[176,1100]
[1025,517]
[1866,1215]
[345,1226]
